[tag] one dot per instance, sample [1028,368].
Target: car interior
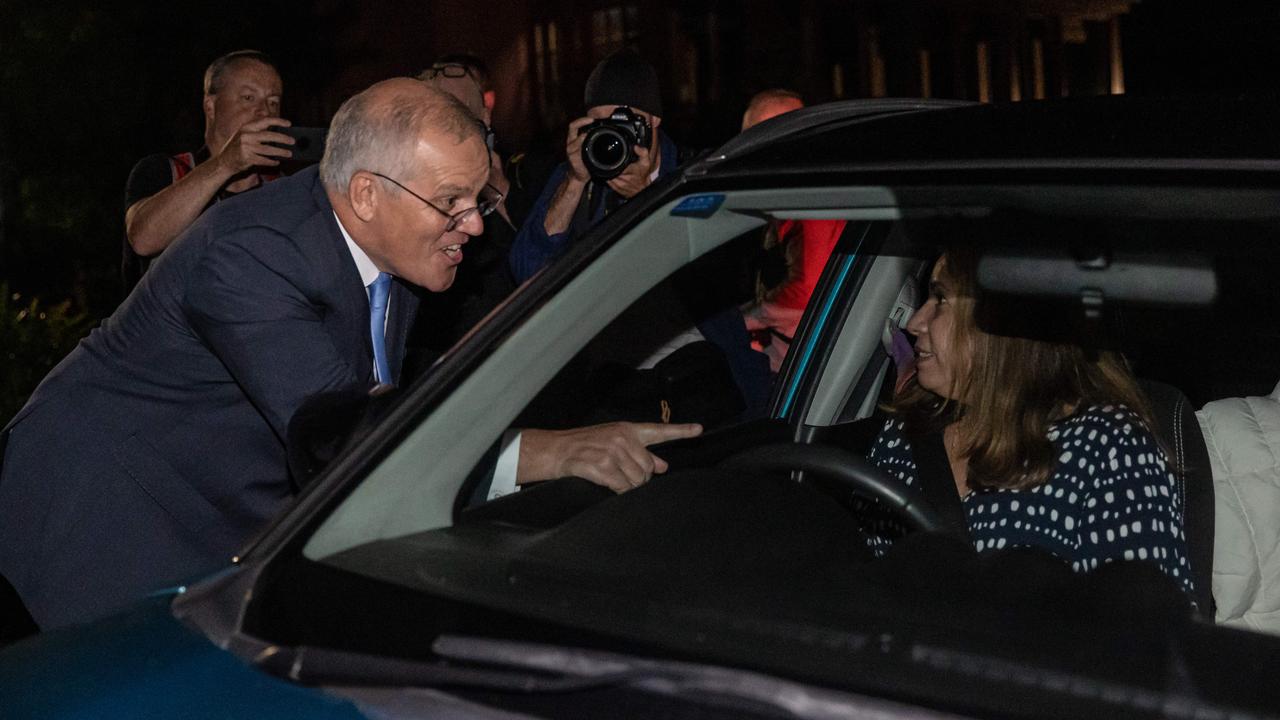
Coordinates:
[734,542]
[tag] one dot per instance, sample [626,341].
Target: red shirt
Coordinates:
[809,244]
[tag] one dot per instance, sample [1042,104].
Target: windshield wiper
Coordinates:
[321,666]
[552,669]
[691,682]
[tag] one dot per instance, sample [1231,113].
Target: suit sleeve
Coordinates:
[246,301]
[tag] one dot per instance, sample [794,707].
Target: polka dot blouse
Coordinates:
[1110,497]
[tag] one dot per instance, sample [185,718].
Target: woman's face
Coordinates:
[938,361]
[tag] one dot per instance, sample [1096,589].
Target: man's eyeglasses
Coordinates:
[449,70]
[486,203]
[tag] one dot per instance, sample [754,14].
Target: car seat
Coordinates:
[1242,434]
[1179,431]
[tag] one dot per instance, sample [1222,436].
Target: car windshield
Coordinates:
[762,561]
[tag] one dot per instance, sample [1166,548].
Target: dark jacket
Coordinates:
[534,249]
[153,451]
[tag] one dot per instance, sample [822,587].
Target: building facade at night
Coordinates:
[712,55]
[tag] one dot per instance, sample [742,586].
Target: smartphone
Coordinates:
[308,143]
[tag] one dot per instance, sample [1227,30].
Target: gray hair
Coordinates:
[369,133]
[218,68]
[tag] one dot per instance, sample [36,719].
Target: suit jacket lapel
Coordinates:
[356,297]
[354,301]
[351,310]
[401,310]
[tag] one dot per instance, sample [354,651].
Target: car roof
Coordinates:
[1205,132]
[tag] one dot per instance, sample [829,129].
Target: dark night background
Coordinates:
[88,88]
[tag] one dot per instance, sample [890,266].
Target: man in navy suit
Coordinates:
[157,446]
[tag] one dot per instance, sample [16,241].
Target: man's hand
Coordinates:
[573,150]
[564,202]
[636,175]
[153,222]
[614,455]
[248,147]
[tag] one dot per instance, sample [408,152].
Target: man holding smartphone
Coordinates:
[165,194]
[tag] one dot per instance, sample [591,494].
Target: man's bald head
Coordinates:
[770,103]
[378,129]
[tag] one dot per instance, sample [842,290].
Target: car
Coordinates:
[739,584]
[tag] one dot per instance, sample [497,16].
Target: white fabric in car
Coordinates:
[1242,436]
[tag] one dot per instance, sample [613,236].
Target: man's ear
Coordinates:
[208,105]
[362,193]
[489,99]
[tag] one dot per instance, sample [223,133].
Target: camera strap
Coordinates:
[588,210]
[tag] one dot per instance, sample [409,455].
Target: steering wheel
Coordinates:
[844,472]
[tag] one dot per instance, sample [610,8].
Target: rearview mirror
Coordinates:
[1090,277]
[1087,296]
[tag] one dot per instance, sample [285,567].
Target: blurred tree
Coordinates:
[33,338]
[86,89]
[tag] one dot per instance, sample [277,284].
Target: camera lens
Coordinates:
[606,152]
[609,149]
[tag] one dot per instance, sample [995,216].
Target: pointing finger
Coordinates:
[652,433]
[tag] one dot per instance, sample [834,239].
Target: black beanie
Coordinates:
[624,78]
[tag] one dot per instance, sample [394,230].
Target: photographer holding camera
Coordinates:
[241,152]
[613,152]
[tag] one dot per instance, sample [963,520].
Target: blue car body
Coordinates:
[144,663]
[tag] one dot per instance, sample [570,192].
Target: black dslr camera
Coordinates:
[610,143]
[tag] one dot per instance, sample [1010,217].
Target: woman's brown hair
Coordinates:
[1010,390]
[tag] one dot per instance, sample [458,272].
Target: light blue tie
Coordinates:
[379,290]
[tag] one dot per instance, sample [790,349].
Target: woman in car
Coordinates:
[1048,445]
